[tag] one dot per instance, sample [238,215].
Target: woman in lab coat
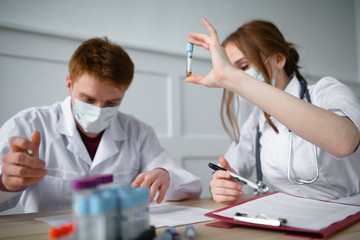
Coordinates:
[307,145]
[44,148]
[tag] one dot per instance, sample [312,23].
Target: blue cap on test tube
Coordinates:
[124,196]
[110,197]
[189,47]
[82,206]
[97,205]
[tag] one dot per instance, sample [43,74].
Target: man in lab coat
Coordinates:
[43,149]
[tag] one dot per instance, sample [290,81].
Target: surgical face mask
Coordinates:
[255,74]
[258,75]
[91,118]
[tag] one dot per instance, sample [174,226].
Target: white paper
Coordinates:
[56,220]
[161,215]
[299,212]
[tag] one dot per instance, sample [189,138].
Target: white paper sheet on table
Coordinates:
[56,220]
[161,215]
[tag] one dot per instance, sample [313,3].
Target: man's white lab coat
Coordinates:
[127,148]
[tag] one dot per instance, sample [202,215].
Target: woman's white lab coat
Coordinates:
[339,179]
[127,148]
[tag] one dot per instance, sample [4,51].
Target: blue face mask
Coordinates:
[258,75]
[255,74]
[91,118]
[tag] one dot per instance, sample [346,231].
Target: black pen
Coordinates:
[233,175]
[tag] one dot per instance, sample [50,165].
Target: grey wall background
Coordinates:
[326,32]
[38,37]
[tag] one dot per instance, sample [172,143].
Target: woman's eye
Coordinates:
[245,67]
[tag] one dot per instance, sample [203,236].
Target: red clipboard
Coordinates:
[318,234]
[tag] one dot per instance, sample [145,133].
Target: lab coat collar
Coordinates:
[109,145]
[67,126]
[292,88]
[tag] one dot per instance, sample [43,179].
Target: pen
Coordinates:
[233,175]
[259,219]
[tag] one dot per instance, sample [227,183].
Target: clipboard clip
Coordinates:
[260,219]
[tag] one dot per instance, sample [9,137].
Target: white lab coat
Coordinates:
[127,148]
[339,179]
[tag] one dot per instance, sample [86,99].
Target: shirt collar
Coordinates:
[293,87]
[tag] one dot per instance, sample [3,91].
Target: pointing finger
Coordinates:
[35,139]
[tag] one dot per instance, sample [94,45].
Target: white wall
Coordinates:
[324,30]
[38,37]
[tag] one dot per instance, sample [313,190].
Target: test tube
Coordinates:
[189,50]
[102,206]
[81,188]
[83,220]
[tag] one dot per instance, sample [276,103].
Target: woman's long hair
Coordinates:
[257,40]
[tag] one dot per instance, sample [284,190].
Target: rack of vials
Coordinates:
[103,211]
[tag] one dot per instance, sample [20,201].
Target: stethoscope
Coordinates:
[262,188]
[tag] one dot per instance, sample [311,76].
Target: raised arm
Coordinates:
[327,130]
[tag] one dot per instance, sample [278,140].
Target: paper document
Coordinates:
[166,215]
[56,220]
[161,215]
[299,212]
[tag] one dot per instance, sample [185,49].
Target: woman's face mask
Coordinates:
[91,118]
[258,75]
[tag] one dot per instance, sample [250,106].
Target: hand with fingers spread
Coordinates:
[221,63]
[157,179]
[21,165]
[224,188]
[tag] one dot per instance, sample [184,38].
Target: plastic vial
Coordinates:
[189,50]
[83,220]
[81,188]
[143,217]
[125,205]
[110,198]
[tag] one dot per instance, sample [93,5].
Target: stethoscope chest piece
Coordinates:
[262,189]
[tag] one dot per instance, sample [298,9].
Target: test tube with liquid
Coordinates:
[189,50]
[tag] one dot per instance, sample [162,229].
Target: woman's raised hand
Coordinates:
[221,63]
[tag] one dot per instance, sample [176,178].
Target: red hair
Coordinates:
[104,60]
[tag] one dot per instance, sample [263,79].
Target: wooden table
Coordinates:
[24,227]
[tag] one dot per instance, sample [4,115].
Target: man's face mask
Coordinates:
[91,118]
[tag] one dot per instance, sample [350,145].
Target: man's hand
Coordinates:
[157,179]
[223,187]
[21,165]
